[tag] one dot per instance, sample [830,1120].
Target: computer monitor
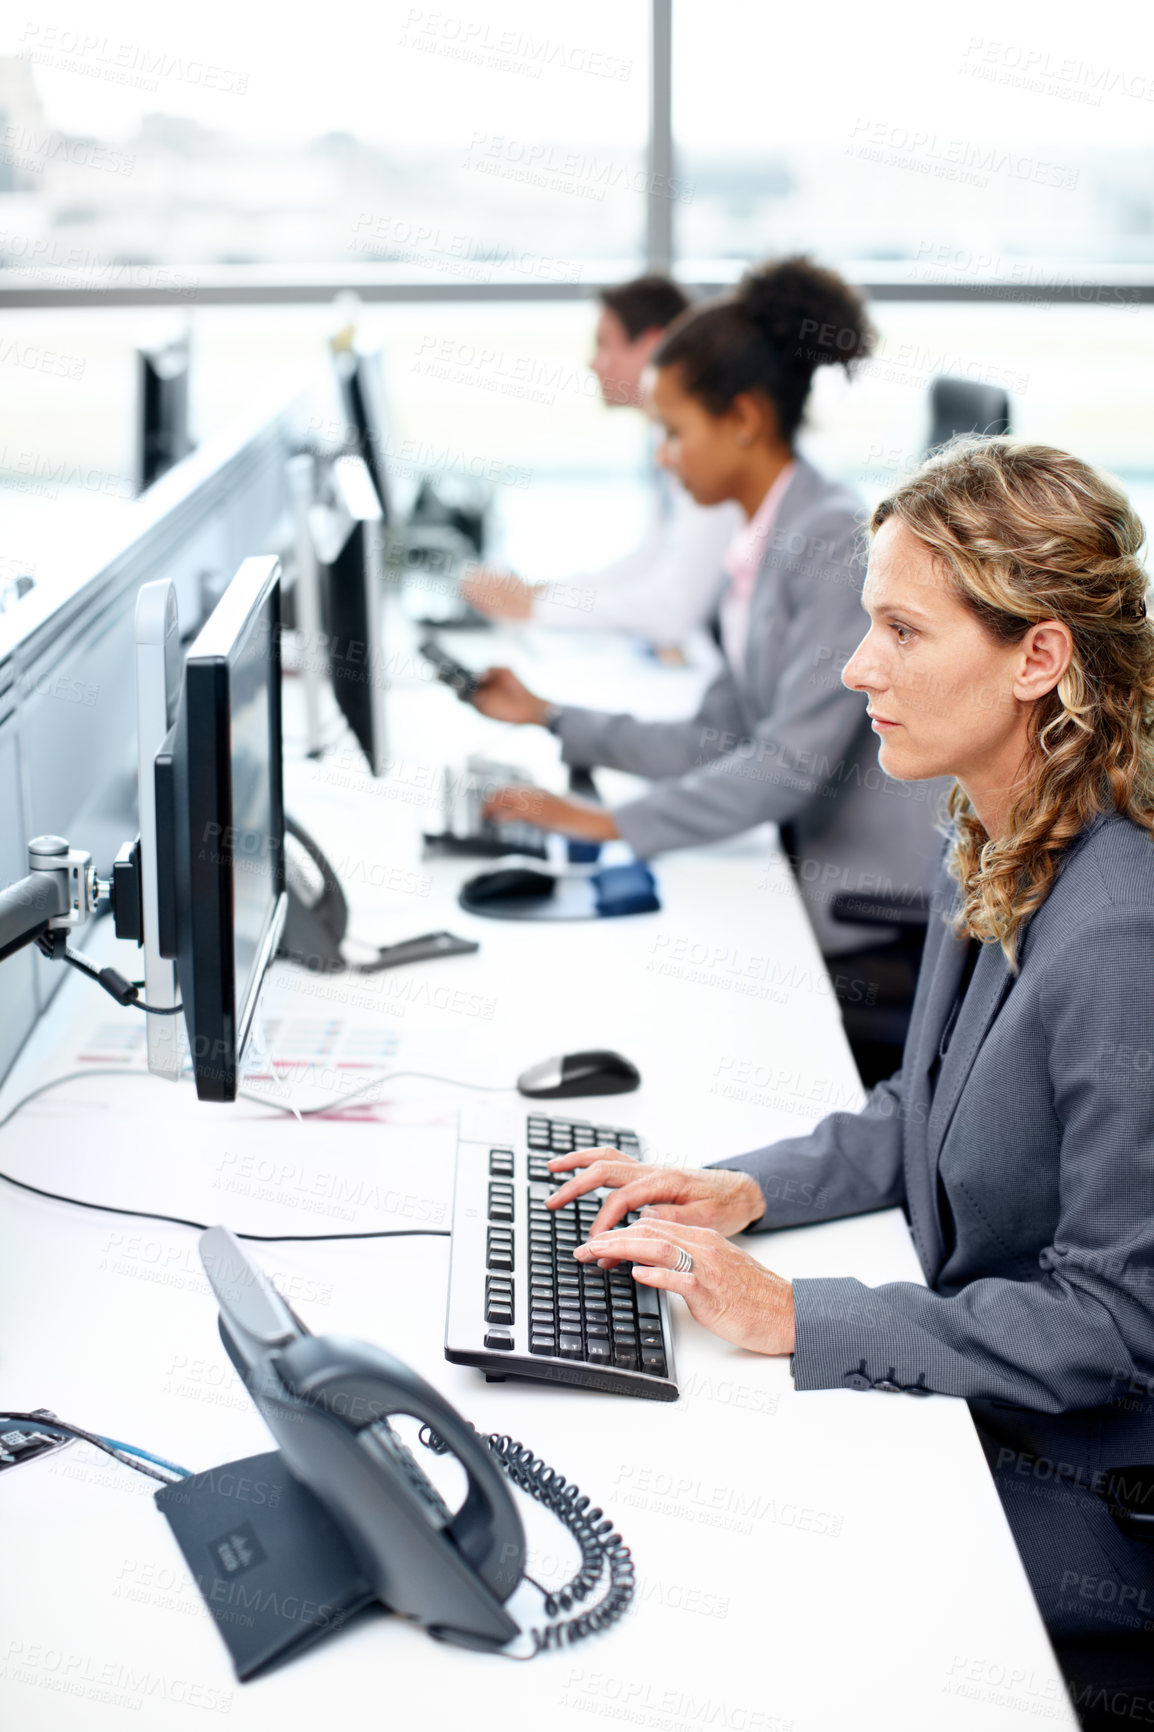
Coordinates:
[220,825]
[162,425]
[348,533]
[361,385]
[302,598]
[159,666]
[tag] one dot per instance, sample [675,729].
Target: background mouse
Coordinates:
[509,881]
[579,1073]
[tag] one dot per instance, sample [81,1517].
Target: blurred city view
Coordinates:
[507,148]
[173,191]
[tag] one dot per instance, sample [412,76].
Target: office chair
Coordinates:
[961,406]
[909,913]
[884,1022]
[876,1024]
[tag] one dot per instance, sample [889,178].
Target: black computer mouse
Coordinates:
[579,1073]
[507,882]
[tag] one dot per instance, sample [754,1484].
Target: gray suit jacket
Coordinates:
[1028,1177]
[781,739]
[1028,1172]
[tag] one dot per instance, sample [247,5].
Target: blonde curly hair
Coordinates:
[1027,533]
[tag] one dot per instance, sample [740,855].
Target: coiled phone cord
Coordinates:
[601,1547]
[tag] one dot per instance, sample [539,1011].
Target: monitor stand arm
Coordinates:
[62,891]
[26,909]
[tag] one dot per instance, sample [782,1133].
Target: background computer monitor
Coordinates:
[361,385]
[349,539]
[162,423]
[440,522]
[220,825]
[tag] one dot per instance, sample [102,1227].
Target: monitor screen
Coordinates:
[361,382]
[162,431]
[250,739]
[159,670]
[220,825]
[352,583]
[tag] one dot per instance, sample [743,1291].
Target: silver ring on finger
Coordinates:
[684,1263]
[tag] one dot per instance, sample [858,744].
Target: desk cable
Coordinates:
[122,1452]
[300,1113]
[127,1453]
[56,948]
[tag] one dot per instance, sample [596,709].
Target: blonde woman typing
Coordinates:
[1008,646]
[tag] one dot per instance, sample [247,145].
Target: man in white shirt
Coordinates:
[668,586]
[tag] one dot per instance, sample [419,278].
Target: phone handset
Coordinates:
[328,1401]
[370,1386]
[318,916]
[364,1521]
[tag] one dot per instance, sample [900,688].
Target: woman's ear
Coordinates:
[751,419]
[1045,651]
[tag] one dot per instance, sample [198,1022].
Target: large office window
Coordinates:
[410,149]
[449,142]
[966,142]
[938,146]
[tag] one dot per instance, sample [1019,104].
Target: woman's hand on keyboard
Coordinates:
[725,1288]
[715,1197]
[551,812]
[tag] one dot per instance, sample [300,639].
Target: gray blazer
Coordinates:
[781,739]
[1028,1177]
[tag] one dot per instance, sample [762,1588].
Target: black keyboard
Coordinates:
[467,831]
[491,842]
[519,1303]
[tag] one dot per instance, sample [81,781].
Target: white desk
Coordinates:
[818,1561]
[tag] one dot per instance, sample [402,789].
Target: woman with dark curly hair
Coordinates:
[1009,647]
[777,737]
